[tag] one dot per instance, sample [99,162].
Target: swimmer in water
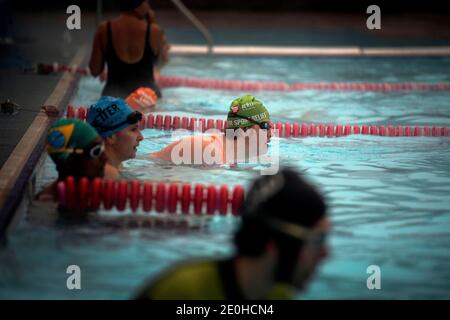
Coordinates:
[77,150]
[248,129]
[280,243]
[118,125]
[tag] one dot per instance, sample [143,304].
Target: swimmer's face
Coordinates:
[257,129]
[125,143]
[311,255]
[93,166]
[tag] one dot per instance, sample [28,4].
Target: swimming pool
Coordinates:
[388,196]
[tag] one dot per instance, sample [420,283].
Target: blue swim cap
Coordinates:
[109,115]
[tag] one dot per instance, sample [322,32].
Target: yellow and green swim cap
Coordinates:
[244,108]
[68,134]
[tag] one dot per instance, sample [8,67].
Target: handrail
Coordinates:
[98,16]
[209,39]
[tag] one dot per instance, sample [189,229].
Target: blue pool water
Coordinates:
[388,197]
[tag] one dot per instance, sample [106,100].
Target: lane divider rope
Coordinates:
[172,198]
[167,81]
[285,130]
[175,81]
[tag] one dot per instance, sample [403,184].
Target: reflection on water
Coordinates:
[388,197]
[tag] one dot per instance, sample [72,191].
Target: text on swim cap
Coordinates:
[248,105]
[106,113]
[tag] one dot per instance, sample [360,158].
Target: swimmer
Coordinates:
[279,246]
[143,100]
[247,118]
[132,46]
[77,150]
[118,125]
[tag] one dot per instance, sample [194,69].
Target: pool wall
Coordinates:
[18,172]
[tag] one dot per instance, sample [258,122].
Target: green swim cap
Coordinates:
[67,134]
[246,107]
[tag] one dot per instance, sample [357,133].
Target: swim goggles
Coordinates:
[94,151]
[316,238]
[132,118]
[263,125]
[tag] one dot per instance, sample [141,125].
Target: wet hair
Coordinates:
[129,5]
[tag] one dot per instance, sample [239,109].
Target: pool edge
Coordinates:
[20,166]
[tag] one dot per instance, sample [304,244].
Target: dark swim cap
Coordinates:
[274,203]
[128,5]
[284,196]
[279,208]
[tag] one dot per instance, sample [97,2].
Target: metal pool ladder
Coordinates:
[203,30]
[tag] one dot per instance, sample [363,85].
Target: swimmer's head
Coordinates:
[76,149]
[129,5]
[246,111]
[111,115]
[283,209]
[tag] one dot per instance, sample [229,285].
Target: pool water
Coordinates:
[388,197]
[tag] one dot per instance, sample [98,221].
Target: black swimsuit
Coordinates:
[124,78]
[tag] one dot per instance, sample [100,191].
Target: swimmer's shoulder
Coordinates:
[111,172]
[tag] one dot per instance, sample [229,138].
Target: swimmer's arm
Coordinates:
[166,153]
[97,62]
[188,145]
[160,45]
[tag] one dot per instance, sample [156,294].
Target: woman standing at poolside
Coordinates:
[132,45]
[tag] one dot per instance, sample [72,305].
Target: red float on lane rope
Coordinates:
[150,121]
[109,194]
[71,193]
[81,113]
[198,199]
[167,122]
[122,195]
[172,198]
[83,194]
[185,198]
[211,200]
[70,112]
[223,200]
[96,193]
[135,194]
[160,197]
[238,198]
[147,197]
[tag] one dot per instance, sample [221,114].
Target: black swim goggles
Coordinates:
[263,125]
[132,118]
[94,151]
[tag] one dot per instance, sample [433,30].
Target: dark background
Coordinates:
[392,6]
